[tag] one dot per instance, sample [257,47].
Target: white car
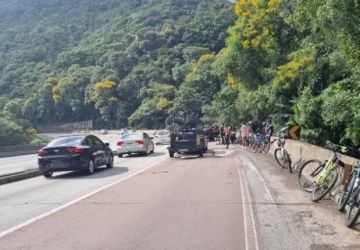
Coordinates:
[135,143]
[162,137]
[123,131]
[103,132]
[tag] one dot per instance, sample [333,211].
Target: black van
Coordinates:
[188,142]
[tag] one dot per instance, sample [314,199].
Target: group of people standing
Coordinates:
[246,130]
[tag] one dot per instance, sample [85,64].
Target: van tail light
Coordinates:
[139,141]
[41,152]
[119,143]
[75,150]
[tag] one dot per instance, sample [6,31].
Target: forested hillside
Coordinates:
[116,62]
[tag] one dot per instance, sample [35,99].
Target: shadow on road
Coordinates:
[101,172]
[134,155]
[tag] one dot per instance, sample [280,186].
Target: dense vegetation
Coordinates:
[297,60]
[183,63]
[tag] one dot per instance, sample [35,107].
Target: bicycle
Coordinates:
[281,155]
[319,177]
[261,142]
[350,195]
[346,189]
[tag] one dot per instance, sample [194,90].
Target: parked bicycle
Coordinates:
[261,144]
[281,155]
[319,177]
[350,195]
[251,139]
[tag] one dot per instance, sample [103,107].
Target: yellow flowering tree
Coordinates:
[105,99]
[255,42]
[290,75]
[157,99]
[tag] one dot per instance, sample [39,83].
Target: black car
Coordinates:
[188,142]
[75,152]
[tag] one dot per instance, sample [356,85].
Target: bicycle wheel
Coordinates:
[345,192]
[279,158]
[255,147]
[251,141]
[353,212]
[265,146]
[287,161]
[320,191]
[308,172]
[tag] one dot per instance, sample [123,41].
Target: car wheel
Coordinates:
[111,162]
[120,155]
[47,174]
[91,167]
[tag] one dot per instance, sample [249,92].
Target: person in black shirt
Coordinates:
[269,129]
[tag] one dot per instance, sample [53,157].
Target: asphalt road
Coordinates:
[20,163]
[24,200]
[229,199]
[29,162]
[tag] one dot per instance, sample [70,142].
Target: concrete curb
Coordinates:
[8,178]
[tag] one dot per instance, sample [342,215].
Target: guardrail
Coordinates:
[7,151]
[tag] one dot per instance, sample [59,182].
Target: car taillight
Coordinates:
[140,142]
[119,143]
[41,152]
[75,150]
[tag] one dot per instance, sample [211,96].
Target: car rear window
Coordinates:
[163,132]
[185,136]
[131,136]
[66,141]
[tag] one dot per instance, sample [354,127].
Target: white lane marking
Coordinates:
[8,231]
[243,205]
[250,165]
[238,163]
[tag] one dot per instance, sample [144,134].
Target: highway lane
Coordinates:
[18,163]
[24,200]
[229,199]
[27,162]
[191,203]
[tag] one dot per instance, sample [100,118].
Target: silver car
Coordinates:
[135,142]
[162,137]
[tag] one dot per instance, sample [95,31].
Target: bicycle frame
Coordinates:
[281,145]
[332,163]
[259,139]
[356,184]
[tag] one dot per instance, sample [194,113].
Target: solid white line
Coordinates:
[263,181]
[243,204]
[8,231]
[251,206]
